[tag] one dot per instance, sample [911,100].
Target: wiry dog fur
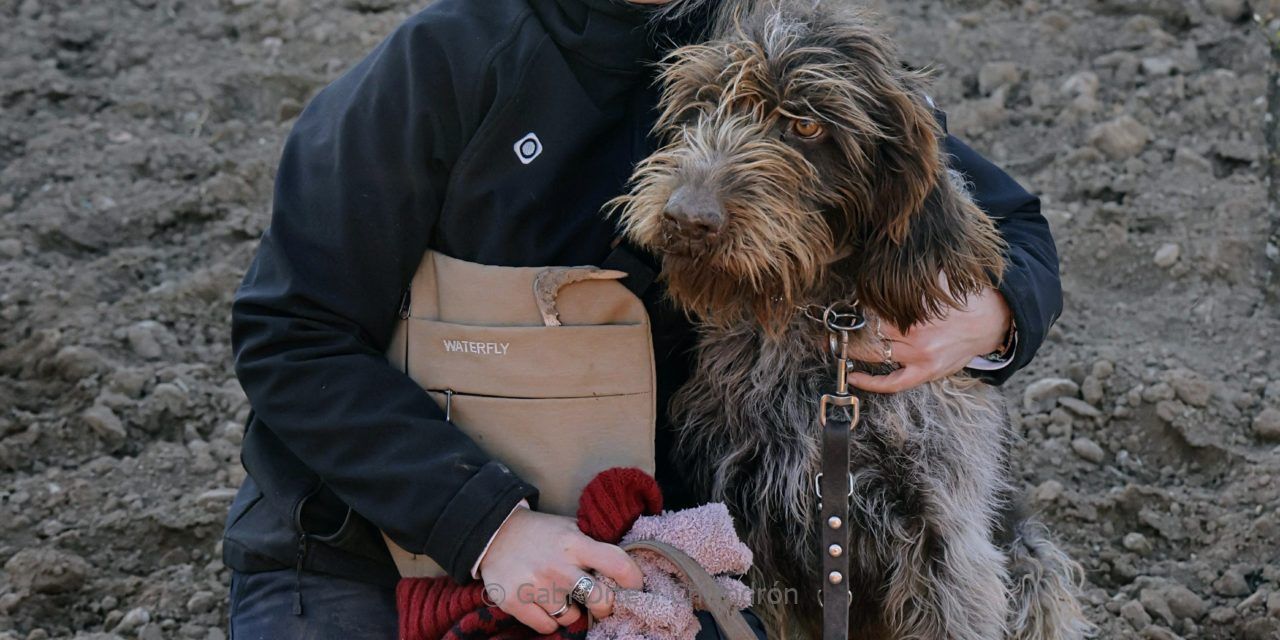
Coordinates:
[865,208]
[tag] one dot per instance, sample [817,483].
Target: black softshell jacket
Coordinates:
[416,147]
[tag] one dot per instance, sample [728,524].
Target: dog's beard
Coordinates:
[774,247]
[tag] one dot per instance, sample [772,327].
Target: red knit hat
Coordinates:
[614,500]
[441,609]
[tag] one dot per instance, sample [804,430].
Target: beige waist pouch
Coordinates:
[548,369]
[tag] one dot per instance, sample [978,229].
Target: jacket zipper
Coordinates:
[297,589]
[404,305]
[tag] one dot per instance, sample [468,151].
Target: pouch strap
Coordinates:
[714,600]
[640,275]
[834,489]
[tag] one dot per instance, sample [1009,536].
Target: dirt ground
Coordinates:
[137,145]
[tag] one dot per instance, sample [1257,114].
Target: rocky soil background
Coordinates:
[137,145]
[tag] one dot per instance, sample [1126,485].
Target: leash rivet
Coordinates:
[834,522]
[835,577]
[835,550]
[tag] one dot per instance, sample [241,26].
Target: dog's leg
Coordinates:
[948,583]
[1044,583]
[945,577]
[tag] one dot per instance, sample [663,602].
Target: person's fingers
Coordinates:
[900,380]
[600,600]
[570,615]
[875,352]
[613,562]
[565,578]
[531,614]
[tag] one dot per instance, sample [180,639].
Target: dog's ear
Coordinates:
[920,244]
[906,167]
[949,251]
[896,136]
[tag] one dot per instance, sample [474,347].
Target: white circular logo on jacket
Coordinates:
[528,148]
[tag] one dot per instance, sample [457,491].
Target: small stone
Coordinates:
[1121,138]
[1167,255]
[1088,450]
[170,397]
[1081,85]
[133,620]
[6,202]
[1185,157]
[1261,629]
[1137,543]
[1184,603]
[1091,390]
[75,363]
[1266,425]
[104,422]
[216,497]
[145,339]
[1232,583]
[1273,604]
[1079,407]
[1135,615]
[1157,632]
[1222,615]
[1191,388]
[1048,491]
[1153,600]
[1157,392]
[1230,10]
[11,248]
[1158,66]
[47,570]
[9,602]
[994,75]
[288,109]
[1042,395]
[233,432]
[202,602]
[151,631]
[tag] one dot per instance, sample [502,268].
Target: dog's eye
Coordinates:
[806,128]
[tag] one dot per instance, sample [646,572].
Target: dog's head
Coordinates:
[798,152]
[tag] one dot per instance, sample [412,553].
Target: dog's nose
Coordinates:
[694,211]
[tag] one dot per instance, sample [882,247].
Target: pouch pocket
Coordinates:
[529,362]
[584,436]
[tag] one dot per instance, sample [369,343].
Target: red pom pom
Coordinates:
[614,500]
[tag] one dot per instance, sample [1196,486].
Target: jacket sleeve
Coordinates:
[1031,284]
[357,194]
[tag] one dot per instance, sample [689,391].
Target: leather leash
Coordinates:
[838,416]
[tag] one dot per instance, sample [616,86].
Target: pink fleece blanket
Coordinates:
[664,609]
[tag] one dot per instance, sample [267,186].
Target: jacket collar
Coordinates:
[615,35]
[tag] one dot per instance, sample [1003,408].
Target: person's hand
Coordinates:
[934,350]
[536,558]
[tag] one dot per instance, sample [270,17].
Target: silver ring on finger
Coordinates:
[564,608]
[581,591]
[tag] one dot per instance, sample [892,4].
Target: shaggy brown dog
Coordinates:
[803,166]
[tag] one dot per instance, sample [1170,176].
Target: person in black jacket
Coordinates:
[414,148]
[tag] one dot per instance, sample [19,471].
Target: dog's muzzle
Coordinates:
[693,216]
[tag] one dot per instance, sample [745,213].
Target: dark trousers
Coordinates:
[262,608]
